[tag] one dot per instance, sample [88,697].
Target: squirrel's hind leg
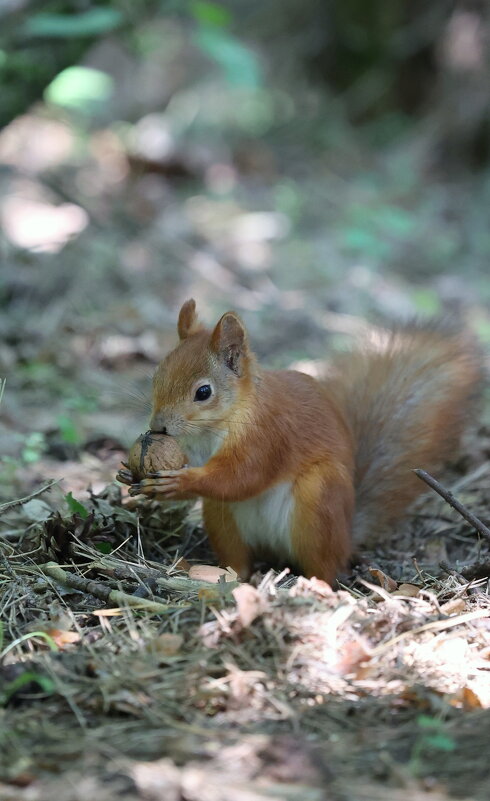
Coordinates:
[321,530]
[225,538]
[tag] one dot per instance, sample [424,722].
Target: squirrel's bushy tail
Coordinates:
[407,394]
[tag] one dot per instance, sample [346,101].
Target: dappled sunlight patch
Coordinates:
[38,225]
[329,643]
[256,768]
[35,142]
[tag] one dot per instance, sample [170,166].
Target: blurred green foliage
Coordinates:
[334,121]
[75,506]
[238,62]
[431,737]
[38,48]
[80,88]
[25,680]
[69,432]
[34,446]
[94,22]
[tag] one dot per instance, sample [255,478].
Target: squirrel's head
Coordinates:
[198,384]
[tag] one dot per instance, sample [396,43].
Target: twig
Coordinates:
[121,571]
[451,571]
[5,507]
[103,592]
[452,501]
[182,584]
[8,567]
[477,570]
[434,625]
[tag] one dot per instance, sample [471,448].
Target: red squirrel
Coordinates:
[297,468]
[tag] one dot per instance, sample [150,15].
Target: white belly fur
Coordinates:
[265,521]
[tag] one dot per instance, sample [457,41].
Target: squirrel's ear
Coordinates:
[229,341]
[188,323]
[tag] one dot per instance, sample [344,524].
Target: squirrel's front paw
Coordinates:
[165,485]
[124,475]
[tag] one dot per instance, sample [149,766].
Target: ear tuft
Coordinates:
[188,323]
[229,341]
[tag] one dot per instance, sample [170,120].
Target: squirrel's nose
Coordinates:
[158,429]
[157,424]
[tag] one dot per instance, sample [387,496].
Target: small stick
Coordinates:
[102,592]
[126,570]
[452,501]
[169,583]
[477,570]
[452,572]
[5,507]
[434,625]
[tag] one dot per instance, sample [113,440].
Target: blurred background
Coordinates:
[309,163]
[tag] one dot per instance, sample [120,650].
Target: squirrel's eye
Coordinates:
[203,393]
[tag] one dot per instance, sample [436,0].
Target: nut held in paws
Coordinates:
[152,452]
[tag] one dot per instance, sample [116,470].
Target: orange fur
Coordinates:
[407,394]
[324,502]
[279,457]
[225,538]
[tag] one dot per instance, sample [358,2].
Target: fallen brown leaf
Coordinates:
[470,699]
[211,574]
[386,582]
[250,604]
[454,605]
[62,637]
[183,565]
[408,590]
[354,659]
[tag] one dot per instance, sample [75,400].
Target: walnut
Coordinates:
[154,451]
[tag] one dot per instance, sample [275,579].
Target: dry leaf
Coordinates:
[315,585]
[475,695]
[455,605]
[242,682]
[183,565]
[210,634]
[386,582]
[166,644]
[158,779]
[470,699]
[250,604]
[408,590]
[481,687]
[211,574]
[354,658]
[115,612]
[62,637]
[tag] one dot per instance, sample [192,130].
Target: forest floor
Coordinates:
[281,688]
[127,670]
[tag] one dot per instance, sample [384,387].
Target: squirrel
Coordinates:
[298,468]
